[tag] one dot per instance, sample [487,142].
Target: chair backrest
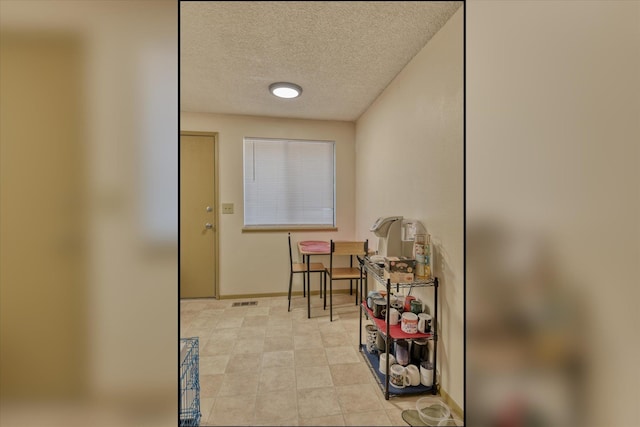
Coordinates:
[290,254]
[349,247]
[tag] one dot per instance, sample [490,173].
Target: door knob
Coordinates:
[208,225]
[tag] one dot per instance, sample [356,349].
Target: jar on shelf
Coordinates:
[419,248]
[401,348]
[372,339]
[422,254]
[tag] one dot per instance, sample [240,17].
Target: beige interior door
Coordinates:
[43,315]
[198,215]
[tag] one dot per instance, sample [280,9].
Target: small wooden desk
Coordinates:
[316,247]
[308,248]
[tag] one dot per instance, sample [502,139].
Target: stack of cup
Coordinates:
[372,333]
[421,252]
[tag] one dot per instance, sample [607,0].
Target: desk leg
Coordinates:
[309,286]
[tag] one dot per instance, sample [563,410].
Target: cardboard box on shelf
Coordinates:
[398,277]
[399,269]
[399,264]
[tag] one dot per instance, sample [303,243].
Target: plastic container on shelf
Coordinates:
[422,254]
[419,250]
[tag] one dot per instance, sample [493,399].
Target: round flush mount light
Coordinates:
[285,90]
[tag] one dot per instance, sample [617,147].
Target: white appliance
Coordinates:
[388,230]
[396,235]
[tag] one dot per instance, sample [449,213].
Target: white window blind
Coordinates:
[289,182]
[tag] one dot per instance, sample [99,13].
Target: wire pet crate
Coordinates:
[189,411]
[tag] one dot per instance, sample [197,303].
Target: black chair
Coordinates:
[301,268]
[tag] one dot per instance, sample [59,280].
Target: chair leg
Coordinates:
[290,283]
[308,295]
[324,282]
[350,287]
[304,284]
[330,300]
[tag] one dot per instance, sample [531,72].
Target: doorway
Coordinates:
[198,215]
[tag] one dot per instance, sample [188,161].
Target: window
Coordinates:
[289,182]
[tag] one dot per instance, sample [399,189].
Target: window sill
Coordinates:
[262,228]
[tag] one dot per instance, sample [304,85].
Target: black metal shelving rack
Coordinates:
[372,360]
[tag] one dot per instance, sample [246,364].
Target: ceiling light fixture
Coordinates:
[285,90]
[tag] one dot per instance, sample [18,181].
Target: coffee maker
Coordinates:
[396,235]
[388,229]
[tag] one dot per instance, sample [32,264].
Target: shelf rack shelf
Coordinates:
[374,363]
[394,332]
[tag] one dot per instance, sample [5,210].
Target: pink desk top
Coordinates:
[311,247]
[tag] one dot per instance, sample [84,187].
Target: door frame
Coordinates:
[216,219]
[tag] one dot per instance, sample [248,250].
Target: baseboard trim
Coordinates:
[277,294]
[455,408]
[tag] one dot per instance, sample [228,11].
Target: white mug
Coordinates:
[394,316]
[409,322]
[414,374]
[426,374]
[383,362]
[424,323]
[399,377]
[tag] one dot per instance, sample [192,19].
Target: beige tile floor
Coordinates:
[262,365]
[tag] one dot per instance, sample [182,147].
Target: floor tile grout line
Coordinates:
[347,325]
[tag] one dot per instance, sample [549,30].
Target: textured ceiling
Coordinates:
[343,54]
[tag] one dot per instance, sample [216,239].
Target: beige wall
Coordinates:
[409,162]
[257,262]
[88,88]
[553,171]
[407,149]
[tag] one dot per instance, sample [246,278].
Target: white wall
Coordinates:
[409,162]
[257,262]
